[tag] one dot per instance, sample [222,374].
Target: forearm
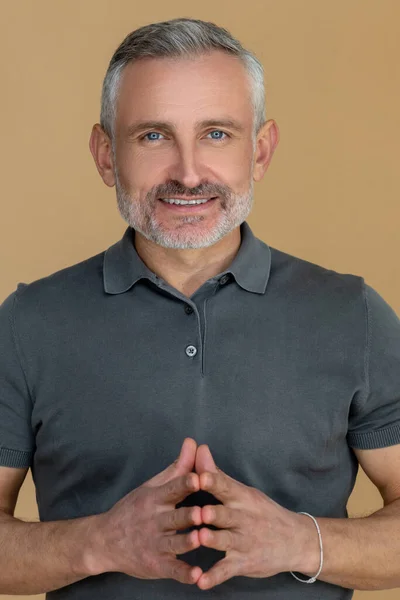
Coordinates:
[36,558]
[360,553]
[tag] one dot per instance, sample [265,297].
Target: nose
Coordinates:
[187,168]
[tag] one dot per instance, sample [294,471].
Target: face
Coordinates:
[184,130]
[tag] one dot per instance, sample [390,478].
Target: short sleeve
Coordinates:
[374,419]
[16,436]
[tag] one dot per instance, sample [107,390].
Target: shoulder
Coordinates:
[59,292]
[67,280]
[301,274]
[317,294]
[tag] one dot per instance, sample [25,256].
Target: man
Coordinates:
[279,376]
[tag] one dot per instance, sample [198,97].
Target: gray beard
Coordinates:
[232,212]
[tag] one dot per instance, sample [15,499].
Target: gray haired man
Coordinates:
[278,375]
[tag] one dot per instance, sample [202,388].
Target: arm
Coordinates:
[360,554]
[363,553]
[34,557]
[40,557]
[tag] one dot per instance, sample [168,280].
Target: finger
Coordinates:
[222,486]
[187,457]
[222,516]
[179,543]
[222,571]
[173,568]
[182,465]
[179,518]
[177,489]
[223,539]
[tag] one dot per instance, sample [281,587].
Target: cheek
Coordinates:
[143,169]
[140,171]
[235,172]
[234,160]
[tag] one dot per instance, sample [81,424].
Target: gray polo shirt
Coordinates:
[280,365]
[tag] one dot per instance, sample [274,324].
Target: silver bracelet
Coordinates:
[313,579]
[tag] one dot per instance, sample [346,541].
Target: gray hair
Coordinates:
[178,38]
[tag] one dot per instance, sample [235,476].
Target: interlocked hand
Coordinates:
[257,534]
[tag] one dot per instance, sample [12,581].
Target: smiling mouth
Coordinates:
[195,207]
[188,200]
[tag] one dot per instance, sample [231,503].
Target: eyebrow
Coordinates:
[138,126]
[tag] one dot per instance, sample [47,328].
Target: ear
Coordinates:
[266,142]
[101,149]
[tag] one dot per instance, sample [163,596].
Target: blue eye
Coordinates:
[152,133]
[218,131]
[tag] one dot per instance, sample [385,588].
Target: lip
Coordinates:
[189,208]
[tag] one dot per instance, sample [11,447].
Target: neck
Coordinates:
[187,270]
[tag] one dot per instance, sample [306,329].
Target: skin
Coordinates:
[185,160]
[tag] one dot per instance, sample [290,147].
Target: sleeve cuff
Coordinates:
[375,439]
[15,458]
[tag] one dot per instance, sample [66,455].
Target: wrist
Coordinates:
[308,555]
[94,554]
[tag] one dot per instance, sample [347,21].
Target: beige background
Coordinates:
[330,195]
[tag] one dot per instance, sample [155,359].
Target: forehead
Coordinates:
[185,89]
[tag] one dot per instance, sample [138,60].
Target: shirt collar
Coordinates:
[123,267]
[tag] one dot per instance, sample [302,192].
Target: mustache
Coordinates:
[174,187]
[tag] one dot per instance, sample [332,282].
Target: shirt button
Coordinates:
[191,351]
[224,279]
[188,309]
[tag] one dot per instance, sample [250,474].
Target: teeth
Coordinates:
[176,201]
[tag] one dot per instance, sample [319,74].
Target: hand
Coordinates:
[258,535]
[138,535]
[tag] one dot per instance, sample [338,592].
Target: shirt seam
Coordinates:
[18,347]
[367,350]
